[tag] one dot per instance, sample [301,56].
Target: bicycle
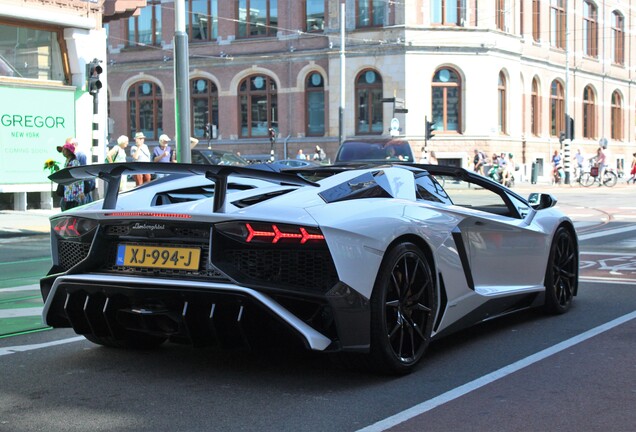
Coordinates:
[590,177]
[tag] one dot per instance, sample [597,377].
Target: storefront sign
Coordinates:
[33,122]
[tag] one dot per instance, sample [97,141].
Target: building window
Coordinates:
[535,109]
[590,29]
[369,100]
[618,38]
[314,15]
[258,108]
[202,23]
[501,104]
[448,12]
[145,29]
[557,109]
[32,53]
[204,106]
[257,18]
[315,104]
[589,113]
[370,13]
[446,92]
[557,23]
[500,14]
[145,109]
[617,116]
[536,20]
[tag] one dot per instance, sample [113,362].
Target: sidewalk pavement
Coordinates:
[25,223]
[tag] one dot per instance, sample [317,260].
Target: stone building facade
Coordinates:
[498,75]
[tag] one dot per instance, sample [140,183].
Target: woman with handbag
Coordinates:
[73,194]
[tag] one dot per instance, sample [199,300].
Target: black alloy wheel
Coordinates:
[403,307]
[562,274]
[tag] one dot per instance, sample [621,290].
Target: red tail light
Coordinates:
[68,227]
[275,234]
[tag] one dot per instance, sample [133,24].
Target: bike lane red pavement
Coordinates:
[589,386]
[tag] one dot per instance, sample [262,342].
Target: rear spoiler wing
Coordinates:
[111,175]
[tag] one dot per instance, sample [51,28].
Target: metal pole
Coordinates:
[95,143]
[181,84]
[342,75]
[568,132]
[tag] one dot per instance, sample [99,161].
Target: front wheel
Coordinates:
[586,179]
[562,274]
[403,307]
[609,179]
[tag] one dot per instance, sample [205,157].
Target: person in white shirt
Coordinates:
[140,153]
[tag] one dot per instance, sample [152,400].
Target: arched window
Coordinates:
[617,116]
[501,104]
[589,113]
[446,100]
[535,109]
[204,106]
[557,109]
[618,38]
[258,105]
[590,28]
[315,105]
[145,109]
[369,101]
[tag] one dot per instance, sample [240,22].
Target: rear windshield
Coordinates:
[353,151]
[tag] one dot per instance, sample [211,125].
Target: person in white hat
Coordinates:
[140,153]
[163,153]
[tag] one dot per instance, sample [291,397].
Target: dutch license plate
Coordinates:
[158,257]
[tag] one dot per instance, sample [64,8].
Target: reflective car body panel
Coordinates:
[299,249]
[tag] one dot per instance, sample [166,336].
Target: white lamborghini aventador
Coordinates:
[378,260]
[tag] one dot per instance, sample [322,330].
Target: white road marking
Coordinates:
[23,348]
[456,393]
[20,312]
[21,288]
[607,232]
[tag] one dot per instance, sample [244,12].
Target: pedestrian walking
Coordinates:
[89,185]
[72,194]
[117,154]
[633,170]
[140,153]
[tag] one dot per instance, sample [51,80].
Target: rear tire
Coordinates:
[609,179]
[562,274]
[403,307]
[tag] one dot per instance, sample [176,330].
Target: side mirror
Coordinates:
[540,201]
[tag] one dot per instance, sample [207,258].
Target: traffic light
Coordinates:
[430,128]
[208,130]
[94,84]
[569,127]
[562,137]
[272,135]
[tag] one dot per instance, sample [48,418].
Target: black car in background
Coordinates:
[375,150]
